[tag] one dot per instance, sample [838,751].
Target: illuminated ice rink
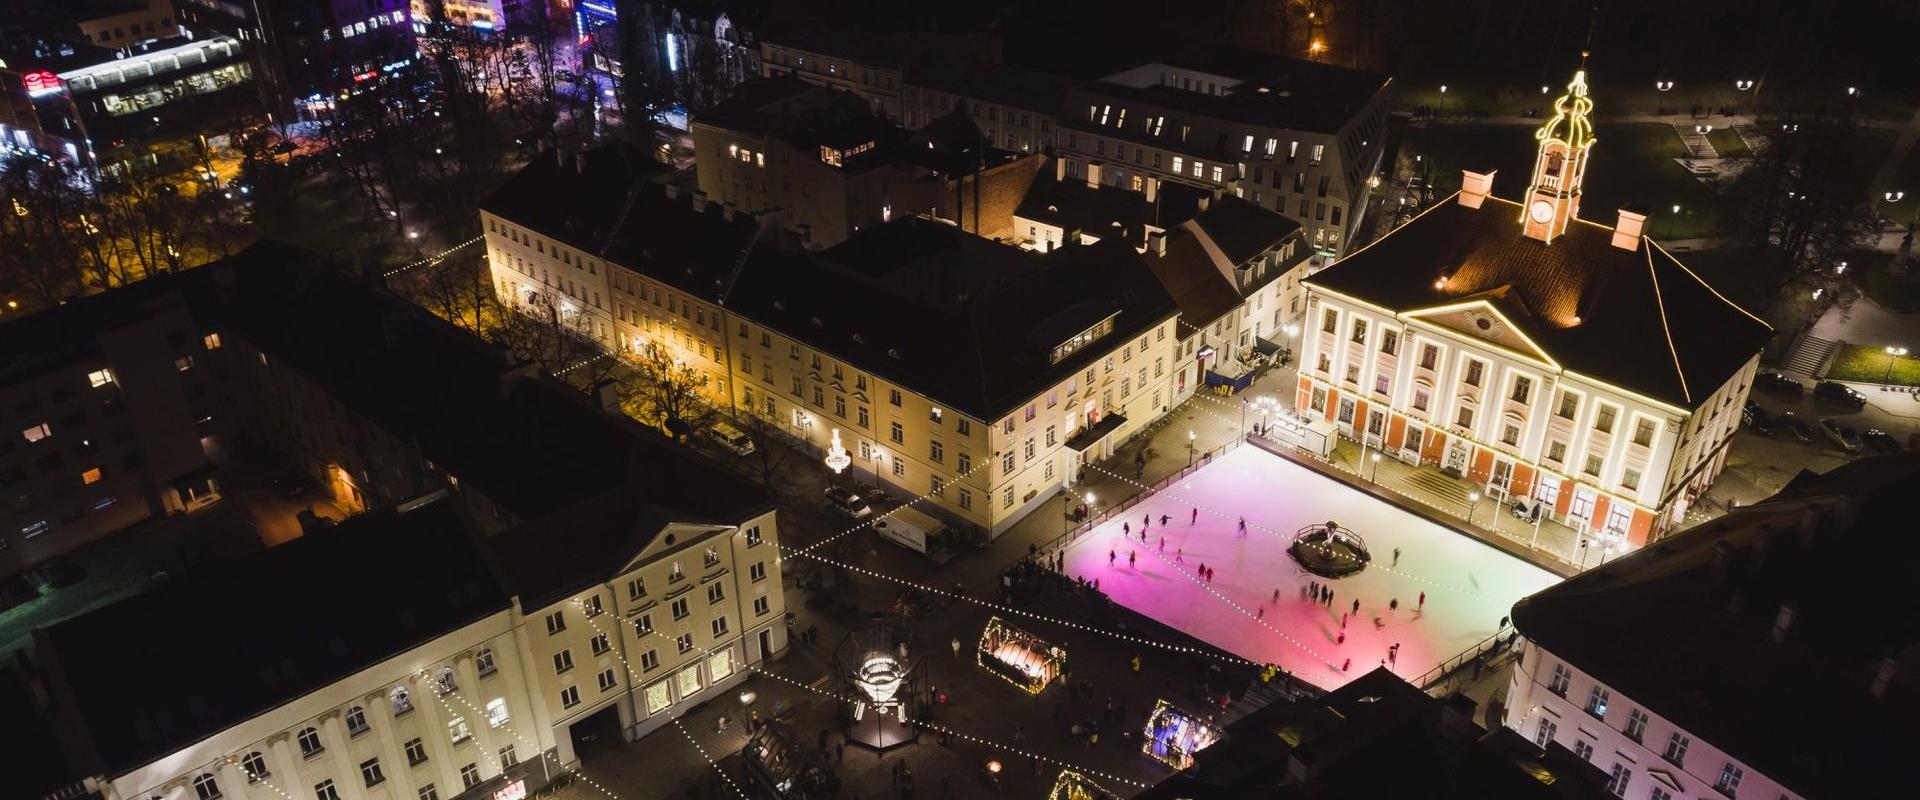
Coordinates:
[1469,586]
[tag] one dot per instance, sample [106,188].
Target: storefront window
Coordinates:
[689,680]
[658,697]
[719,665]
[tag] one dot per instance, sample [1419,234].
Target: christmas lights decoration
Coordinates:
[1018,657]
[1174,735]
[1071,785]
[878,666]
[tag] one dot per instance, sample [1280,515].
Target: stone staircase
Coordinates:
[1696,142]
[1750,135]
[1431,481]
[1810,355]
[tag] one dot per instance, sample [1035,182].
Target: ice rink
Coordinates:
[1469,586]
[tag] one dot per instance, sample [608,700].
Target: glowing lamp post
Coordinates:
[1473,504]
[837,458]
[1893,356]
[1190,437]
[1664,86]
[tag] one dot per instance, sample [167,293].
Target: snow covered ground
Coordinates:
[1469,586]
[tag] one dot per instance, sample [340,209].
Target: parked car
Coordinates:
[731,438]
[1842,436]
[1757,419]
[1839,394]
[848,503]
[1880,441]
[1796,426]
[1775,382]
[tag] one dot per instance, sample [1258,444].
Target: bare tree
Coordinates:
[667,392]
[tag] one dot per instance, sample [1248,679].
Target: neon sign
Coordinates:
[41,82]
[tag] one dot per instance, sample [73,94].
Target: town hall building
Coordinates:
[1535,354]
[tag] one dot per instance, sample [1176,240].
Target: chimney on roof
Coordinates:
[1059,170]
[606,394]
[1205,201]
[1153,189]
[1627,232]
[1093,174]
[1474,187]
[699,201]
[1157,242]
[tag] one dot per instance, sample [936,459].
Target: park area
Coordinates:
[1428,593]
[1868,364]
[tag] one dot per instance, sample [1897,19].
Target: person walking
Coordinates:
[1180,557]
[956,647]
[1110,556]
[1423,600]
[1346,665]
[1146,521]
[1163,544]
[1394,604]
[1396,556]
[1126,529]
[1356,606]
[1342,639]
[1343,620]
[1132,557]
[1196,516]
[1276,595]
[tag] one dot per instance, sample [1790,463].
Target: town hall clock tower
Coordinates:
[1553,196]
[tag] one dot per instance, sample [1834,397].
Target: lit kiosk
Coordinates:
[1023,659]
[1071,785]
[879,671]
[1174,735]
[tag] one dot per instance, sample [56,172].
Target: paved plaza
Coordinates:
[1469,586]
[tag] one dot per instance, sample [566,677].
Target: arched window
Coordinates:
[402,701]
[443,681]
[255,765]
[206,787]
[483,662]
[309,742]
[356,721]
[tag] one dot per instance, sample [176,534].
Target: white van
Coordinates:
[918,532]
[731,438]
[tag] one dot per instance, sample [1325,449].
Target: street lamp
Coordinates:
[1665,86]
[1893,355]
[1473,504]
[1895,196]
[1743,85]
[1190,437]
[1374,476]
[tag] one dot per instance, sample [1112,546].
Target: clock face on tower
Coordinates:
[1542,211]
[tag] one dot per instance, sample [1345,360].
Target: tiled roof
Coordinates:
[1105,211]
[1008,85]
[1685,628]
[1637,319]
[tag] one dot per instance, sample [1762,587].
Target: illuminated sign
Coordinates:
[512,791]
[41,82]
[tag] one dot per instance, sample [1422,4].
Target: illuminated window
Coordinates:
[183,363]
[212,341]
[92,476]
[37,432]
[689,680]
[496,712]
[719,665]
[659,696]
[99,378]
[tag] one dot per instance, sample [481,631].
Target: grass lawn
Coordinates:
[1728,143]
[1869,364]
[1631,163]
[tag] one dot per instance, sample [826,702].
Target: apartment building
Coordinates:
[78,459]
[503,512]
[599,243]
[120,25]
[866,67]
[1539,356]
[1733,659]
[1016,109]
[1297,137]
[975,372]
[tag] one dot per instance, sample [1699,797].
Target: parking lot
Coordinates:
[1760,465]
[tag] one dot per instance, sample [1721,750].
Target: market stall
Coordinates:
[1023,659]
[1072,785]
[1174,735]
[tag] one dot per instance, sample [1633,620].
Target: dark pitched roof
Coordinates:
[1378,736]
[612,207]
[1005,84]
[1242,229]
[1637,318]
[1274,92]
[1684,627]
[967,321]
[58,336]
[574,197]
[1072,205]
[265,629]
[756,106]
[1200,267]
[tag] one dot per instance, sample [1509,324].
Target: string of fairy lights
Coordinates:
[1257,618]
[441,697]
[433,259]
[928,724]
[876,518]
[709,759]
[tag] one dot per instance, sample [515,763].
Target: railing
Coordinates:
[1441,675]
